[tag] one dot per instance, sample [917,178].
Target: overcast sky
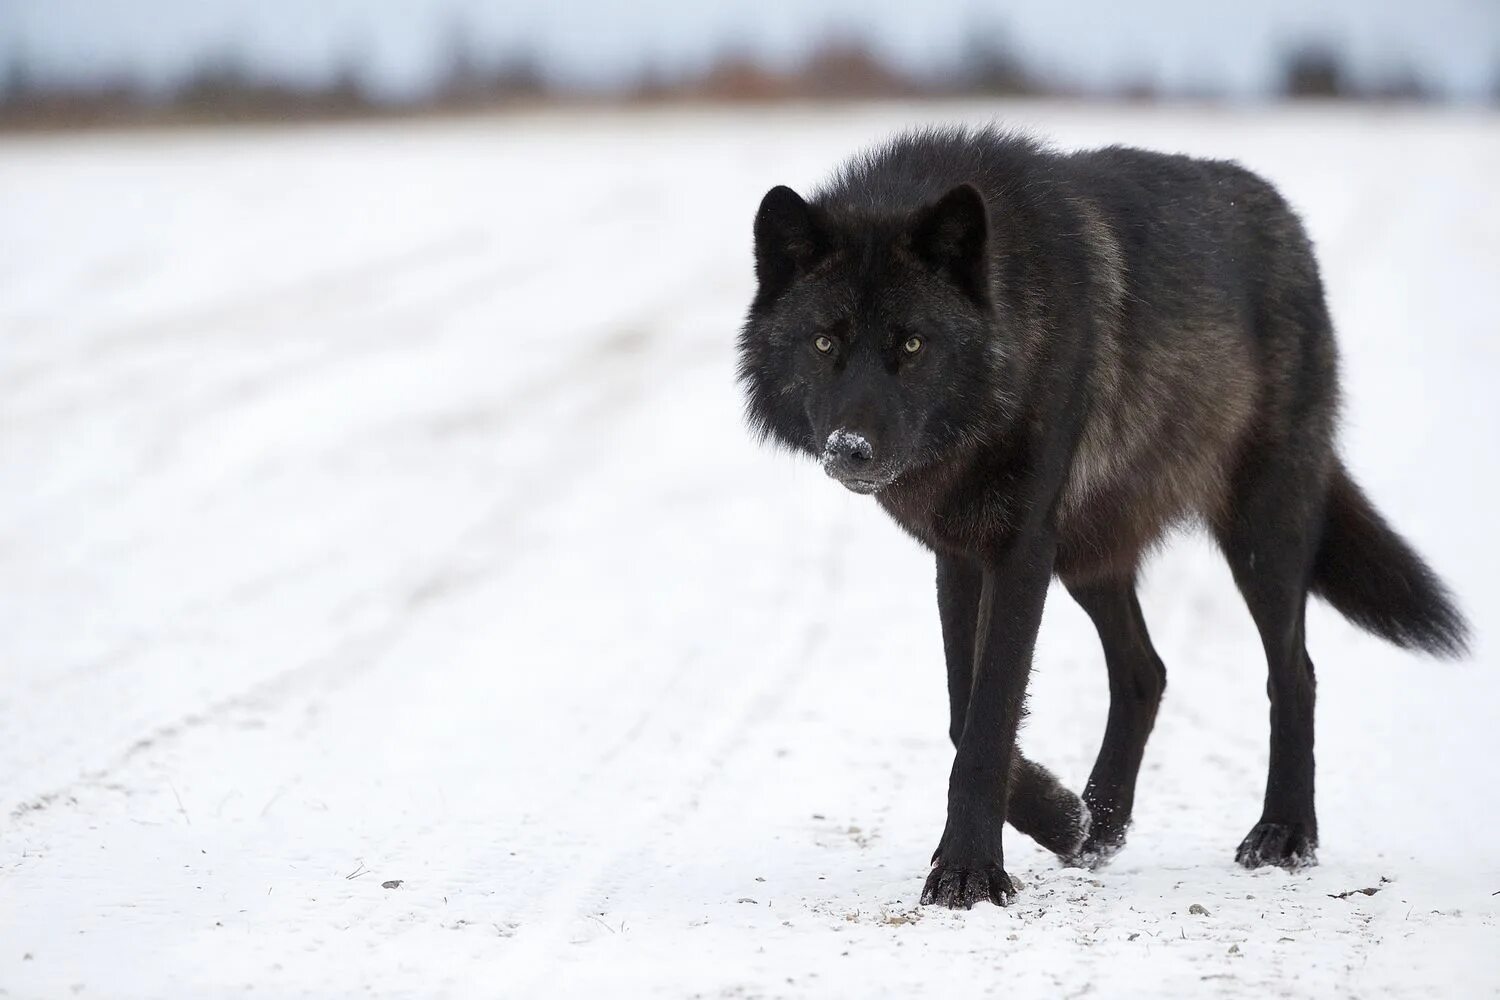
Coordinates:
[1453,45]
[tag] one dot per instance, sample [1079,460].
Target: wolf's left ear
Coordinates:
[952,235]
[787,236]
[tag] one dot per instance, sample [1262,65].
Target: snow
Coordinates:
[377,506]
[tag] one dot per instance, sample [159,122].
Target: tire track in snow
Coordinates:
[541,933]
[333,289]
[620,383]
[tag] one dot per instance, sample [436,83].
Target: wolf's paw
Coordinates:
[1285,845]
[959,888]
[1097,852]
[1045,811]
[1105,837]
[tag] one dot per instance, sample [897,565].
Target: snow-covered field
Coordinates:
[392,602]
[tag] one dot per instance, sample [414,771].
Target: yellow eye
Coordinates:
[912,345]
[823,344]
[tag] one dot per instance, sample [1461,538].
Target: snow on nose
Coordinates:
[847,447]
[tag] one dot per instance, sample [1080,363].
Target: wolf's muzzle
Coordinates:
[850,458]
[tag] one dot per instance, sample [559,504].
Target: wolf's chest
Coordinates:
[956,514]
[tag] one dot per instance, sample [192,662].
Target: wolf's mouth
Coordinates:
[863,487]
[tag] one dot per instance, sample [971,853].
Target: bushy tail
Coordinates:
[1369,573]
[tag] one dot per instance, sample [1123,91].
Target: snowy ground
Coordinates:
[375,507]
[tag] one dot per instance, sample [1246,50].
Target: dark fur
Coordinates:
[1109,343]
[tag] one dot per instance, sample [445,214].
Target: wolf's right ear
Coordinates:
[952,234]
[787,236]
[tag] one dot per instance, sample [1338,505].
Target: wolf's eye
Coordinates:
[823,344]
[912,345]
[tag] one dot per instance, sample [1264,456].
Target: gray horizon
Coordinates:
[401,47]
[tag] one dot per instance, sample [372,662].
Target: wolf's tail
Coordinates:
[1369,573]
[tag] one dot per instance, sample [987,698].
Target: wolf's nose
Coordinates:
[848,449]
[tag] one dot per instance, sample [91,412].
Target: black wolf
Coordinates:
[1037,363]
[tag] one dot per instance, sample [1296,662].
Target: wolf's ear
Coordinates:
[787,236]
[952,234]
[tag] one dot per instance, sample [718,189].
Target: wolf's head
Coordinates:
[871,340]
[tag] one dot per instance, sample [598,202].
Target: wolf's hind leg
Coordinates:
[1137,679]
[1269,539]
[1039,805]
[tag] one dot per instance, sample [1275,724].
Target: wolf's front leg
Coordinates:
[969,864]
[1039,806]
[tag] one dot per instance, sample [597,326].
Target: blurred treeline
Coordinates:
[224,90]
